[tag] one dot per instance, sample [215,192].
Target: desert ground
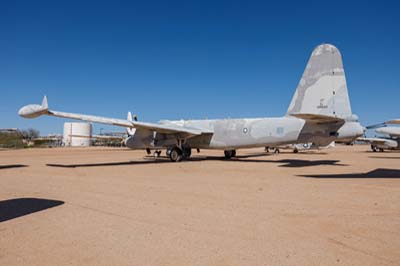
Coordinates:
[109,206]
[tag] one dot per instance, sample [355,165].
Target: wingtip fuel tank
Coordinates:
[34,110]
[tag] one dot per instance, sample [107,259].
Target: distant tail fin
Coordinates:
[322,88]
[45,105]
[130,131]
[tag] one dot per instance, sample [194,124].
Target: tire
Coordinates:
[187,152]
[176,155]
[295,150]
[229,153]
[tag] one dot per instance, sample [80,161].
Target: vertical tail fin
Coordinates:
[322,88]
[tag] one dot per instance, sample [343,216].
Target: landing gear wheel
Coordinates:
[176,155]
[295,150]
[277,151]
[229,154]
[187,152]
[381,150]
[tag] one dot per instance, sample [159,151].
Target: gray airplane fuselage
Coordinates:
[392,139]
[249,133]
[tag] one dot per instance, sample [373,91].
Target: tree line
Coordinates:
[18,138]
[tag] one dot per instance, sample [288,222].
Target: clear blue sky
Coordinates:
[190,59]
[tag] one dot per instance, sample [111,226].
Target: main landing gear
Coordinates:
[375,148]
[275,150]
[176,154]
[229,154]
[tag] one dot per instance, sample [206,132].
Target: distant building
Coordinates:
[8,130]
[77,134]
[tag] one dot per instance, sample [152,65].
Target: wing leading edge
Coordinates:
[35,110]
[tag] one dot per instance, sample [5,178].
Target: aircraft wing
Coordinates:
[373,140]
[97,137]
[35,110]
[384,124]
[394,121]
[319,119]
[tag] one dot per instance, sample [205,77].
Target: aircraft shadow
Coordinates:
[377,173]
[12,166]
[386,151]
[240,158]
[284,162]
[14,208]
[381,157]
[296,163]
[149,160]
[305,163]
[109,164]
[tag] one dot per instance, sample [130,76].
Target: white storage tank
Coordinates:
[77,134]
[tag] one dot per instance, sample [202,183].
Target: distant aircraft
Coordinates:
[391,139]
[300,147]
[319,113]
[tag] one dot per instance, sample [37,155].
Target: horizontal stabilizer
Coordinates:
[319,119]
